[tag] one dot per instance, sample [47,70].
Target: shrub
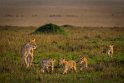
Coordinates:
[50,28]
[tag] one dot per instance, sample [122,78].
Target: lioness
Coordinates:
[71,64]
[27,53]
[110,50]
[45,64]
[83,62]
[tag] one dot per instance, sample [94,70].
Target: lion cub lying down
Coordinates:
[67,65]
[46,64]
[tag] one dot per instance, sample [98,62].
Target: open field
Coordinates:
[91,42]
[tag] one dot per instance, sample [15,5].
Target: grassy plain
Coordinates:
[91,42]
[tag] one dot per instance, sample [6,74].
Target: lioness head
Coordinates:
[33,43]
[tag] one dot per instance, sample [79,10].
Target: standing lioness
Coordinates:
[67,65]
[27,51]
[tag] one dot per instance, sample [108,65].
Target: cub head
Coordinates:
[82,59]
[111,46]
[61,61]
[52,60]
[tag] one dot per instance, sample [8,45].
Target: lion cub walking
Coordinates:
[45,64]
[83,62]
[110,50]
[71,64]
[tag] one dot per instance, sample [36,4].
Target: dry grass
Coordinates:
[91,42]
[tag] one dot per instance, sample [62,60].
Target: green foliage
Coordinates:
[50,28]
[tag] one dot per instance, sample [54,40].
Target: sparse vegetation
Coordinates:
[90,42]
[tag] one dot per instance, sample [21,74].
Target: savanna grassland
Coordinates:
[91,42]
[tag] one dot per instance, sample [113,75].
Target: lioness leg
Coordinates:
[26,62]
[30,60]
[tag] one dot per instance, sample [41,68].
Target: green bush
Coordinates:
[50,28]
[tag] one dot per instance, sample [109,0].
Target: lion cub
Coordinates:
[67,65]
[83,62]
[110,50]
[46,64]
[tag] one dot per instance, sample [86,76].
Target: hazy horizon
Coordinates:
[58,2]
[74,12]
